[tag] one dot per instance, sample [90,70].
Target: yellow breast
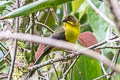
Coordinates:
[71,32]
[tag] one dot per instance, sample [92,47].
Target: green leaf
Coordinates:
[3,4]
[33,7]
[50,21]
[116,77]
[76,4]
[5,69]
[21,44]
[98,24]
[86,68]
[28,56]
[82,10]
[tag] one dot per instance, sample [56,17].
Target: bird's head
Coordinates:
[70,19]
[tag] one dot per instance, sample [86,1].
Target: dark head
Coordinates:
[71,20]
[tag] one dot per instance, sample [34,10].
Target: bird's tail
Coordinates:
[45,52]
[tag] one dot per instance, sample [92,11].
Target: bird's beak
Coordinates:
[64,20]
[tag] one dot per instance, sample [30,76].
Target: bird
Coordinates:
[69,32]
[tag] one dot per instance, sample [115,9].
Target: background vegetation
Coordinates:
[99,32]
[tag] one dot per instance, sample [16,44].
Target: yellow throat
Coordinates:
[71,31]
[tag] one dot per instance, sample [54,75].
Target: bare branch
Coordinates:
[71,66]
[45,26]
[65,9]
[101,43]
[50,61]
[15,46]
[107,46]
[57,43]
[54,68]
[3,76]
[102,76]
[115,9]
[55,16]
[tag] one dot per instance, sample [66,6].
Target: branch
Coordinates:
[51,61]
[55,16]
[101,43]
[115,9]
[107,46]
[57,43]
[3,76]
[70,67]
[102,76]
[13,55]
[45,26]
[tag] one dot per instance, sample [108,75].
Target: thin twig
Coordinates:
[32,32]
[3,46]
[101,43]
[117,56]
[115,61]
[4,56]
[13,61]
[29,26]
[73,63]
[46,21]
[79,73]
[102,76]
[2,51]
[110,73]
[3,76]
[55,16]
[54,69]
[108,46]
[102,66]
[100,13]
[15,46]
[50,61]
[65,9]
[47,17]
[45,26]
[115,9]
[83,25]
[108,34]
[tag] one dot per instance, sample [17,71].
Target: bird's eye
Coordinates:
[70,17]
